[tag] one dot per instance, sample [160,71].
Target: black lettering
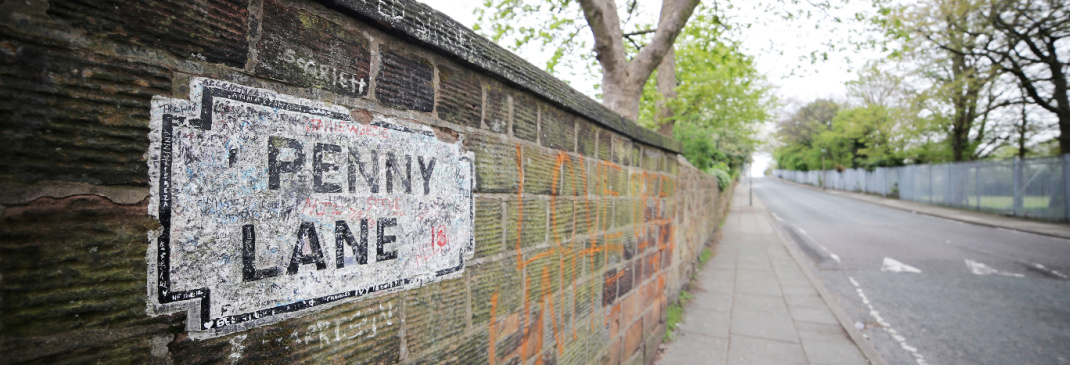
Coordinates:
[233,157]
[342,236]
[248,257]
[393,169]
[372,179]
[275,167]
[425,171]
[319,167]
[384,239]
[307,232]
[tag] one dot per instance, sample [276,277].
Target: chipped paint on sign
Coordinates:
[273,206]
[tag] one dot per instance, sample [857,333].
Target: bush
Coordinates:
[724,177]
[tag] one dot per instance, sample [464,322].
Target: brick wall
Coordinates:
[585,224]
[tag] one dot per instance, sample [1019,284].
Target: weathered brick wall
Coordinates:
[585,224]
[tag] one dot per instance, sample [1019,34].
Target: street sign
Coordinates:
[273,206]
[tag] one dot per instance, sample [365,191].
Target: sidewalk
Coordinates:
[1061,230]
[755,304]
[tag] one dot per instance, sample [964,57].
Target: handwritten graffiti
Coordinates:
[653,232]
[274,206]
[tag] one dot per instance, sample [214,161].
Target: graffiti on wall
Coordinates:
[273,206]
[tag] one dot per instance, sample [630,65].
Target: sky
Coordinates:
[781,48]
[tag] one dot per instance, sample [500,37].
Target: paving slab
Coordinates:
[753,303]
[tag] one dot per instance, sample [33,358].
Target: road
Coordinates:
[929,290]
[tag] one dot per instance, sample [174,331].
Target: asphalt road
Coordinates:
[929,290]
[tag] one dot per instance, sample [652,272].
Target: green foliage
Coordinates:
[721,98]
[550,24]
[724,178]
[705,255]
[673,315]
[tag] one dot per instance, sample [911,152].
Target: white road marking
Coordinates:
[834,257]
[776,216]
[978,268]
[891,265]
[1053,272]
[887,326]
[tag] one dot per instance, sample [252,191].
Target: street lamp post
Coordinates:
[824,174]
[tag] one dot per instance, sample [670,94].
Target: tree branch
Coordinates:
[604,22]
[674,15]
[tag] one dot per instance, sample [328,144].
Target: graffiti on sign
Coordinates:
[273,206]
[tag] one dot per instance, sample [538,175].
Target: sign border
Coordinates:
[230,323]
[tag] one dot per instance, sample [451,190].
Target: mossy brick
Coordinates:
[488,227]
[666,257]
[369,332]
[74,115]
[605,144]
[496,108]
[588,296]
[636,179]
[405,81]
[586,138]
[609,286]
[624,279]
[486,279]
[573,175]
[562,220]
[614,247]
[496,163]
[525,117]
[87,275]
[637,272]
[624,212]
[651,264]
[540,170]
[132,350]
[633,339]
[571,261]
[636,154]
[213,30]
[666,186]
[622,150]
[525,219]
[471,348]
[607,179]
[629,242]
[549,356]
[575,346]
[460,97]
[558,129]
[507,346]
[304,49]
[596,254]
[592,215]
[542,267]
[672,165]
[650,159]
[435,316]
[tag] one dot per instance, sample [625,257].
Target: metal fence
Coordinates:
[1031,188]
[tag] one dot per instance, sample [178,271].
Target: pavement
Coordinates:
[1061,230]
[756,302]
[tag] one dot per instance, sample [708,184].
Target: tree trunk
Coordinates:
[667,88]
[623,79]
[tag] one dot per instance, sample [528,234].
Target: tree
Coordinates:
[1030,42]
[943,37]
[624,73]
[718,97]
[798,135]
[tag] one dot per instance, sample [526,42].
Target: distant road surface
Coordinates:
[929,290]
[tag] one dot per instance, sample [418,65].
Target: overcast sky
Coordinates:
[780,48]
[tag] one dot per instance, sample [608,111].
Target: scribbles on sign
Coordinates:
[319,209]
